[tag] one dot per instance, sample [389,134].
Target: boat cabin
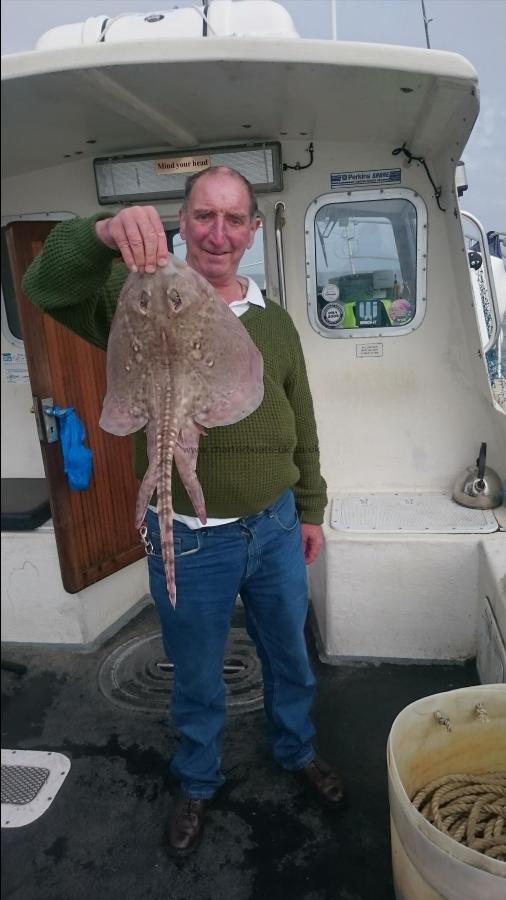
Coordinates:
[353,150]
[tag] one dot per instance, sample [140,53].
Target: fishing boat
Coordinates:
[399,298]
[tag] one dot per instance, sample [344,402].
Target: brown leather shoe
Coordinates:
[185,825]
[325,783]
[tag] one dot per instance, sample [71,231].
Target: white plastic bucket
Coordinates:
[428,864]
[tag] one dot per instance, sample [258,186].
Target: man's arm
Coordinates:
[311,489]
[312,541]
[74,279]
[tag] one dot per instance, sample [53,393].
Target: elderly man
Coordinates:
[264,493]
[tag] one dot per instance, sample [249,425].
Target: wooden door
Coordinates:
[94,529]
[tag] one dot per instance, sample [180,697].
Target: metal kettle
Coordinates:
[479,487]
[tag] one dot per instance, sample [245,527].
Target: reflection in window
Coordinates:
[366,264]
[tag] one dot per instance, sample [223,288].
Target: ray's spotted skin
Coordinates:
[178,362]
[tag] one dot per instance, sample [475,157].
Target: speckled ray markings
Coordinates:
[178,362]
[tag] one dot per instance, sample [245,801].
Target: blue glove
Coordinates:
[77,459]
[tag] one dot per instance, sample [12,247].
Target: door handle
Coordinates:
[46,425]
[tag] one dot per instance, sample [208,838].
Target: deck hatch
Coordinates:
[30,781]
[408,513]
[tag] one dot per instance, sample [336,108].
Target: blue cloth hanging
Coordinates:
[77,459]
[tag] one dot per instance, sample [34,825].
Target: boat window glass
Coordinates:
[11,324]
[252,263]
[365,263]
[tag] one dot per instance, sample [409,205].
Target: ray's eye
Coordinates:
[144,301]
[174,298]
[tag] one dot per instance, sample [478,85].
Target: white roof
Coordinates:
[181,93]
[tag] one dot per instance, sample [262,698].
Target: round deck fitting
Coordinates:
[137,674]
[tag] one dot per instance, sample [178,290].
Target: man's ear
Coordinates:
[182,224]
[255,225]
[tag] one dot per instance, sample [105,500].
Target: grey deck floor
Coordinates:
[102,837]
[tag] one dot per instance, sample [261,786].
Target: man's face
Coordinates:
[217,227]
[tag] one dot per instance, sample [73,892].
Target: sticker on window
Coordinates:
[330,292]
[333,315]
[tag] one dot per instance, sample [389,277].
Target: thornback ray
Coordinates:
[178,363]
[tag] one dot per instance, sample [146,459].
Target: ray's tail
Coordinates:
[162,432]
[165,444]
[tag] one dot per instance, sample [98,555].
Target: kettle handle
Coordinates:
[480,462]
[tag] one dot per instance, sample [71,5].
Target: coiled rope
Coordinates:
[469,808]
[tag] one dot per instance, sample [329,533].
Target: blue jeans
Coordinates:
[261,558]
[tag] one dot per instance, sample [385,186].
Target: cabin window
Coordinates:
[252,263]
[365,259]
[11,325]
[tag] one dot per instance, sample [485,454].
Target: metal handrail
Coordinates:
[279,209]
[496,325]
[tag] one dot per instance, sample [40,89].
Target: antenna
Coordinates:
[333,14]
[426,23]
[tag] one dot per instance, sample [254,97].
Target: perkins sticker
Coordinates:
[373,176]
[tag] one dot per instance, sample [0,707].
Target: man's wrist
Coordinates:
[102,233]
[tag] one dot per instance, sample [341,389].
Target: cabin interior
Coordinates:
[353,150]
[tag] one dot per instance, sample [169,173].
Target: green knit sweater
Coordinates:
[243,467]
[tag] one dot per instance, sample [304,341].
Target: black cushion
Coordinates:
[25,503]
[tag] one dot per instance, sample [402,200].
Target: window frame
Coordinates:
[355,196]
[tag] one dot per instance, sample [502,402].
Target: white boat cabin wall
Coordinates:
[364,246]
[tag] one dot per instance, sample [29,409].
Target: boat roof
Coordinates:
[189,92]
